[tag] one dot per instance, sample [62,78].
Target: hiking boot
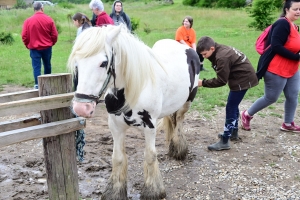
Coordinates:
[234,135]
[292,128]
[221,145]
[245,121]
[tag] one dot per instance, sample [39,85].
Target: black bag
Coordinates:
[263,63]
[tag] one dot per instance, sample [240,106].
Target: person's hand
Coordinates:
[199,83]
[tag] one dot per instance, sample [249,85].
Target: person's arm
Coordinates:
[194,46]
[25,34]
[279,37]
[54,33]
[128,23]
[222,70]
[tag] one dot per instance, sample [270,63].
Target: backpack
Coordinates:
[260,44]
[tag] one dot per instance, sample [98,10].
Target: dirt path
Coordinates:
[264,165]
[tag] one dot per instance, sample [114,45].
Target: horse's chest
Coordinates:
[115,105]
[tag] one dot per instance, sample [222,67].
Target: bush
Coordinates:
[207,3]
[20,4]
[231,3]
[190,2]
[262,13]
[6,38]
[135,23]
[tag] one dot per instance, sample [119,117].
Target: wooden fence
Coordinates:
[55,124]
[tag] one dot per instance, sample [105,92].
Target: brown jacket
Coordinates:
[232,67]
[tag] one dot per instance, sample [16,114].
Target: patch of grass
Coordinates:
[275,115]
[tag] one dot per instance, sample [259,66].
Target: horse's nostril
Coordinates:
[91,113]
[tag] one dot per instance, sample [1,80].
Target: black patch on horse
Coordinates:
[114,102]
[146,119]
[193,62]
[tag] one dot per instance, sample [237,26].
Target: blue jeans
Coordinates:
[36,57]
[232,111]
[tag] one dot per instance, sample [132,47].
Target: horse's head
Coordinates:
[92,61]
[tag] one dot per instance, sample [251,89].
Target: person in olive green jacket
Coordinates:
[233,68]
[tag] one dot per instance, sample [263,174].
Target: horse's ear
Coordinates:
[112,34]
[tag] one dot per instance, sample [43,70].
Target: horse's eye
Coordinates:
[104,64]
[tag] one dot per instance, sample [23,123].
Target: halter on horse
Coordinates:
[142,86]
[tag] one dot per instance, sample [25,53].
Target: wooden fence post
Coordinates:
[59,151]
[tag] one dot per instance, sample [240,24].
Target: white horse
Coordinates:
[142,85]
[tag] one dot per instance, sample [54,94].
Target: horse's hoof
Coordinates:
[153,196]
[176,152]
[111,193]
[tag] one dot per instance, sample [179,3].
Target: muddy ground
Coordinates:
[265,164]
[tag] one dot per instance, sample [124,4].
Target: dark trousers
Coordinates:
[232,111]
[36,57]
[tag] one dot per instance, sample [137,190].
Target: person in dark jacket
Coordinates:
[233,68]
[119,16]
[279,66]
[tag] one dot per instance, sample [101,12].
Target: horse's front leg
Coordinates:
[153,188]
[116,188]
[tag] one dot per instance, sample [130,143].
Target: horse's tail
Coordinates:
[175,138]
[167,125]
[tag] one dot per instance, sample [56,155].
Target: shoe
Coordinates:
[292,128]
[221,145]
[234,136]
[245,121]
[36,87]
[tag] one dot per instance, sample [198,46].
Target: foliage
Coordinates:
[207,3]
[215,3]
[262,13]
[6,38]
[147,29]
[135,23]
[66,5]
[190,2]
[231,3]
[278,3]
[20,4]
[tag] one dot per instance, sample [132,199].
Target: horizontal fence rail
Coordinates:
[15,96]
[36,104]
[41,131]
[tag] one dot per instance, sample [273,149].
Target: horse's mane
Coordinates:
[133,58]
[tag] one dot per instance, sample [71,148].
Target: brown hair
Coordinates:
[190,19]
[204,44]
[81,18]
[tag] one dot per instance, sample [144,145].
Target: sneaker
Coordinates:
[245,121]
[36,87]
[292,128]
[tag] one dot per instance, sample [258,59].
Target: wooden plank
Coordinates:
[41,131]
[16,96]
[36,104]
[20,123]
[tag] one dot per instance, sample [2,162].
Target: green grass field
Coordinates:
[226,26]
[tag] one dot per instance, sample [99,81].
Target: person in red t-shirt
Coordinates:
[282,75]
[102,17]
[39,34]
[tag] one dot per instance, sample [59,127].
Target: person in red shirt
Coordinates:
[102,17]
[282,75]
[39,34]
